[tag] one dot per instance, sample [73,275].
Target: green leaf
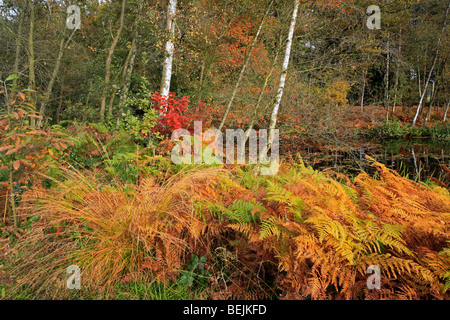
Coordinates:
[12,77]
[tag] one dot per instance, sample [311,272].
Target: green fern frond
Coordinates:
[269,227]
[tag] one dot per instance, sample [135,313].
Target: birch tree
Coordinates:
[446,111]
[419,107]
[169,49]
[284,71]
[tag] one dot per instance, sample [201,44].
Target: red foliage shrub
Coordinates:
[174,113]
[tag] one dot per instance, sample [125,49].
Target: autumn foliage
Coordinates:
[302,233]
[175,113]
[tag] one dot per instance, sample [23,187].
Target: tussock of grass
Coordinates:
[107,231]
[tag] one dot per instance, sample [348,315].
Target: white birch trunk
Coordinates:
[287,55]
[446,110]
[169,50]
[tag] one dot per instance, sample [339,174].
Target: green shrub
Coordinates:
[392,129]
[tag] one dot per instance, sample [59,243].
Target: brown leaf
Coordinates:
[6,148]
[17,142]
[11,151]
[16,165]
[21,95]
[34,116]
[39,132]
[25,162]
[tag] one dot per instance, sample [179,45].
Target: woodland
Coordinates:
[93,206]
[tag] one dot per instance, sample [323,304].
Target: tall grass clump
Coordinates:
[111,232]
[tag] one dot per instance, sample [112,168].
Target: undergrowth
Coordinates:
[216,233]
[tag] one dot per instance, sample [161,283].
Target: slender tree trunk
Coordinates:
[433,92]
[284,71]
[418,81]
[244,66]
[432,67]
[169,50]
[58,110]
[206,74]
[397,71]
[62,46]
[31,58]
[126,76]
[111,101]
[13,198]
[32,76]
[363,89]
[446,110]
[18,47]
[108,63]
[129,64]
[386,94]
[260,96]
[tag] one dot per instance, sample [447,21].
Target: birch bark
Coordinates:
[169,50]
